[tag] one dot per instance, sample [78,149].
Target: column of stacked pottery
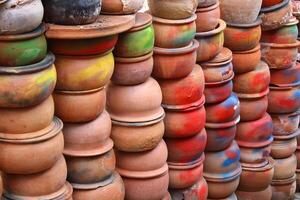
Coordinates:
[83,43]
[31,139]
[182,84]
[279,48]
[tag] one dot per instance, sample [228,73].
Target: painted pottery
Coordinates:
[79,106]
[284,189]
[265,194]
[252,109]
[174,63]
[286,77]
[20,17]
[175,10]
[215,93]
[285,124]
[284,146]
[137,41]
[206,3]
[207,18]
[285,168]
[268,3]
[27,85]
[255,155]
[121,6]
[77,12]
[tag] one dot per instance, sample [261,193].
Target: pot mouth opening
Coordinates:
[175,22]
[256,23]
[92,186]
[220,28]
[39,31]
[193,46]
[142,21]
[279,46]
[75,93]
[254,95]
[208,8]
[224,177]
[139,124]
[190,165]
[223,125]
[187,107]
[256,144]
[288,137]
[265,166]
[257,48]
[275,7]
[135,59]
[284,181]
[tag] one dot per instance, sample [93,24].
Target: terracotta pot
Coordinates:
[79,73]
[46,145]
[265,194]
[78,12]
[252,109]
[137,41]
[255,82]
[220,135]
[215,93]
[174,33]
[82,47]
[26,120]
[225,111]
[284,99]
[79,106]
[186,150]
[233,11]
[231,197]
[132,71]
[280,56]
[183,92]
[127,103]
[185,122]
[219,68]
[121,6]
[20,17]
[255,133]
[246,61]
[285,168]
[183,176]
[254,178]
[284,189]
[174,63]
[286,77]
[285,124]
[174,10]
[39,184]
[276,16]
[210,42]
[255,155]
[284,146]
[115,187]
[268,3]
[207,17]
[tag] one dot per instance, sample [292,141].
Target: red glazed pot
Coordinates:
[242,37]
[246,61]
[255,155]
[285,168]
[210,42]
[207,17]
[268,3]
[285,124]
[132,71]
[286,77]
[128,103]
[79,106]
[284,189]
[215,93]
[252,109]
[186,150]
[174,33]
[265,194]
[174,63]
[284,146]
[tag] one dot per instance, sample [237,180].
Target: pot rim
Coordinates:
[250,167]
[220,82]
[227,58]
[75,93]
[285,115]
[190,165]
[69,190]
[254,95]
[256,23]
[284,181]
[221,27]
[219,178]
[39,31]
[287,137]
[275,7]
[135,59]
[85,56]
[139,124]
[279,46]
[187,107]
[193,46]
[256,144]
[142,21]
[208,8]
[295,67]
[92,186]
[275,87]
[174,22]
[293,21]
[257,48]
[223,125]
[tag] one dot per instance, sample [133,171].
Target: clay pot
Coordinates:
[285,168]
[186,150]
[276,16]
[78,12]
[183,176]
[174,33]
[121,6]
[210,42]
[284,99]
[183,92]
[255,155]
[137,41]
[284,189]
[232,11]
[225,111]
[207,18]
[254,178]
[206,3]
[297,180]
[39,184]
[26,120]
[254,82]
[79,73]
[1,185]
[115,187]
[280,56]
[231,197]
[132,71]
[46,145]
[246,61]
[128,103]
[285,124]
[174,63]
[268,3]
[286,77]
[265,194]
[174,10]
[284,146]
[79,106]
[69,192]
[20,17]
[252,109]
[215,93]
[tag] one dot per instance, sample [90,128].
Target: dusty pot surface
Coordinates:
[77,12]
[121,6]
[265,194]
[216,93]
[284,146]
[79,106]
[286,77]
[285,124]
[233,11]
[252,109]
[176,62]
[175,10]
[207,17]
[284,189]
[174,33]
[285,168]
[255,155]
[20,16]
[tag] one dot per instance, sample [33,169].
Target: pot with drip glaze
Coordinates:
[253,108]
[285,124]
[207,17]
[284,189]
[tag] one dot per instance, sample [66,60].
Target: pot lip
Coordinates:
[143,174]
[187,107]
[288,137]
[85,56]
[142,21]
[135,59]
[208,8]
[221,27]
[256,144]
[275,7]
[285,85]
[39,136]
[223,58]
[293,21]
[40,30]
[285,115]
[47,62]
[223,125]
[193,46]
[284,181]
[257,48]
[65,92]
[139,124]
[253,168]
[254,95]
[174,22]
[190,165]
[92,186]
[225,177]
[279,46]
[288,87]
[220,82]
[256,23]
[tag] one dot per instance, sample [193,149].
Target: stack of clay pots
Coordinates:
[31,139]
[83,43]
[182,85]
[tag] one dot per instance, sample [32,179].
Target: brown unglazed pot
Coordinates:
[285,124]
[284,189]
[285,168]
[284,146]
[218,92]
[207,17]
[265,194]
[286,77]
[121,6]
[255,155]
[252,109]
[206,3]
